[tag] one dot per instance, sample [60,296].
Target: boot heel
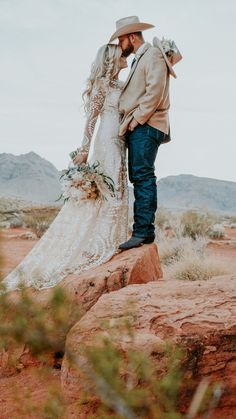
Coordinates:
[149,240]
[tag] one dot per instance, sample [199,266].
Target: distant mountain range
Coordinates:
[188,191]
[29,177]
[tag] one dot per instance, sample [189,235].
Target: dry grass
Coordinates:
[217,232]
[39,219]
[185,255]
[162,219]
[171,250]
[196,224]
[193,267]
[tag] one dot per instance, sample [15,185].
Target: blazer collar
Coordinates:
[146,47]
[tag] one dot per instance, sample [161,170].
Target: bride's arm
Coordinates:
[96,102]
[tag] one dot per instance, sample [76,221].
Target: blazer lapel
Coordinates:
[132,70]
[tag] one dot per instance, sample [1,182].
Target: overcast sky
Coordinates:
[46,49]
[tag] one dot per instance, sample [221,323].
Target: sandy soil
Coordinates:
[225,250]
[14,248]
[25,395]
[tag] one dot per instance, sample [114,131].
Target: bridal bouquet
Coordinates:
[86,181]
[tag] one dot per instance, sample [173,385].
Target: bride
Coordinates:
[87,233]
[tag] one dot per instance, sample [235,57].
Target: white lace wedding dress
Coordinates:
[85,234]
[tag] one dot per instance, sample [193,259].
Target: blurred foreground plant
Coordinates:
[23,320]
[38,332]
[129,383]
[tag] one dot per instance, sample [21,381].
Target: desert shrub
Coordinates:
[174,249]
[38,220]
[186,258]
[217,231]
[16,223]
[131,383]
[194,267]
[22,321]
[195,224]
[232,219]
[162,218]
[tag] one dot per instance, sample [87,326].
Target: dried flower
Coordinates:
[85,181]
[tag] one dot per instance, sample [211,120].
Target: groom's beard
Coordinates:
[128,50]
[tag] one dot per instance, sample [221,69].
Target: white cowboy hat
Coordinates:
[170,61]
[128,25]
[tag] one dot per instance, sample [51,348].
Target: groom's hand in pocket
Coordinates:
[132,125]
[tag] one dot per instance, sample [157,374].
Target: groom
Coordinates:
[144,105]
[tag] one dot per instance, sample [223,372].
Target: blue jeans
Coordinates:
[143,145]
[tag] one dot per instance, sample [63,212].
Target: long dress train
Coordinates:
[84,234]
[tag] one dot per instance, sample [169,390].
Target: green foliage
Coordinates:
[130,384]
[23,321]
[54,405]
[24,404]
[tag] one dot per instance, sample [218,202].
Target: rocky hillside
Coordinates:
[28,177]
[192,192]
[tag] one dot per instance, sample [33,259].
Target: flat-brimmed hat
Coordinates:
[170,61]
[128,25]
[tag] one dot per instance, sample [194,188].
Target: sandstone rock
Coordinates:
[135,266]
[201,316]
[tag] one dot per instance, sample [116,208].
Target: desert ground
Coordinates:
[30,383]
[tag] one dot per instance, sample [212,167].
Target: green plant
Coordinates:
[23,321]
[130,383]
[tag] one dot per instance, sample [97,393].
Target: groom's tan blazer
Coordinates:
[145,95]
